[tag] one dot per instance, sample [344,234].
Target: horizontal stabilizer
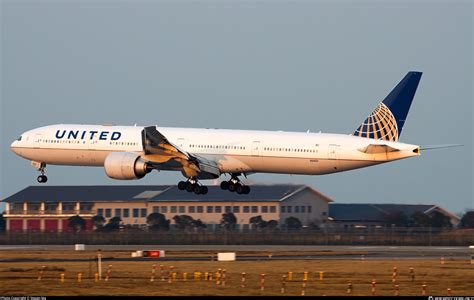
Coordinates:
[374,149]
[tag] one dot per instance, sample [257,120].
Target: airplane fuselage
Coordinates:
[234,151]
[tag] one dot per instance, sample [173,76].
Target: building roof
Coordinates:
[84,193]
[161,193]
[259,193]
[376,212]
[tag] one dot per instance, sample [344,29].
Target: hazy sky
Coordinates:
[270,65]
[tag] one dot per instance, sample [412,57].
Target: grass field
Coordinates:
[133,278]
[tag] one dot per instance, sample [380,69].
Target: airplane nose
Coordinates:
[13,147]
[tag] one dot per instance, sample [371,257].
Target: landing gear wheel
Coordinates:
[42,179]
[239,189]
[232,187]
[225,185]
[197,189]
[182,185]
[190,187]
[204,190]
[246,189]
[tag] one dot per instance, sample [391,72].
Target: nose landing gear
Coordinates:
[42,168]
[42,178]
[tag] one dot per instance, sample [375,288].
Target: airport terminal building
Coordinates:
[48,208]
[345,215]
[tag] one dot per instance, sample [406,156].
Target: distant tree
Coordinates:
[293,223]
[157,221]
[113,224]
[258,222]
[185,222]
[467,220]
[272,224]
[98,222]
[228,221]
[419,219]
[398,218]
[2,223]
[438,219]
[198,224]
[77,223]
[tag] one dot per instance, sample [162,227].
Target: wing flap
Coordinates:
[163,154]
[156,143]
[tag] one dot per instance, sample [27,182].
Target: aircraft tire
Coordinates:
[225,185]
[182,185]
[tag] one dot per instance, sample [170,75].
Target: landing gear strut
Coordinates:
[40,167]
[234,185]
[192,185]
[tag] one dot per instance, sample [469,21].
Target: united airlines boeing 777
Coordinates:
[131,152]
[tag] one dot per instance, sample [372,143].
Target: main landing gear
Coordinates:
[192,185]
[40,167]
[234,185]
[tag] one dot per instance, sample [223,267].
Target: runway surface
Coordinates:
[290,252]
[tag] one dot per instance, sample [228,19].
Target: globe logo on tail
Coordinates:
[381,124]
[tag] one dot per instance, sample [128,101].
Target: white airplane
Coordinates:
[131,152]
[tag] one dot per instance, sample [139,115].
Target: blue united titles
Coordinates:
[88,134]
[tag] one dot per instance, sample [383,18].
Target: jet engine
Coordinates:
[126,165]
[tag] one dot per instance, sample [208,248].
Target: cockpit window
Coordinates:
[19,139]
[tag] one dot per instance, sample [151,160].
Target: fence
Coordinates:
[388,236]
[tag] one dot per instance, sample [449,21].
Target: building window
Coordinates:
[283,209]
[228,209]
[108,212]
[156,209]
[218,209]
[100,212]
[246,209]
[273,209]
[36,207]
[297,209]
[255,209]
[143,213]
[164,209]
[264,209]
[191,209]
[84,207]
[118,212]
[303,209]
[126,213]
[67,207]
[210,209]
[135,212]
[309,209]
[200,209]
[288,209]
[181,209]
[173,209]
[236,209]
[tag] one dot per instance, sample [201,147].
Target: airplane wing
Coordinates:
[163,154]
[378,148]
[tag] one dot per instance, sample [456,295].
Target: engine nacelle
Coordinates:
[125,165]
